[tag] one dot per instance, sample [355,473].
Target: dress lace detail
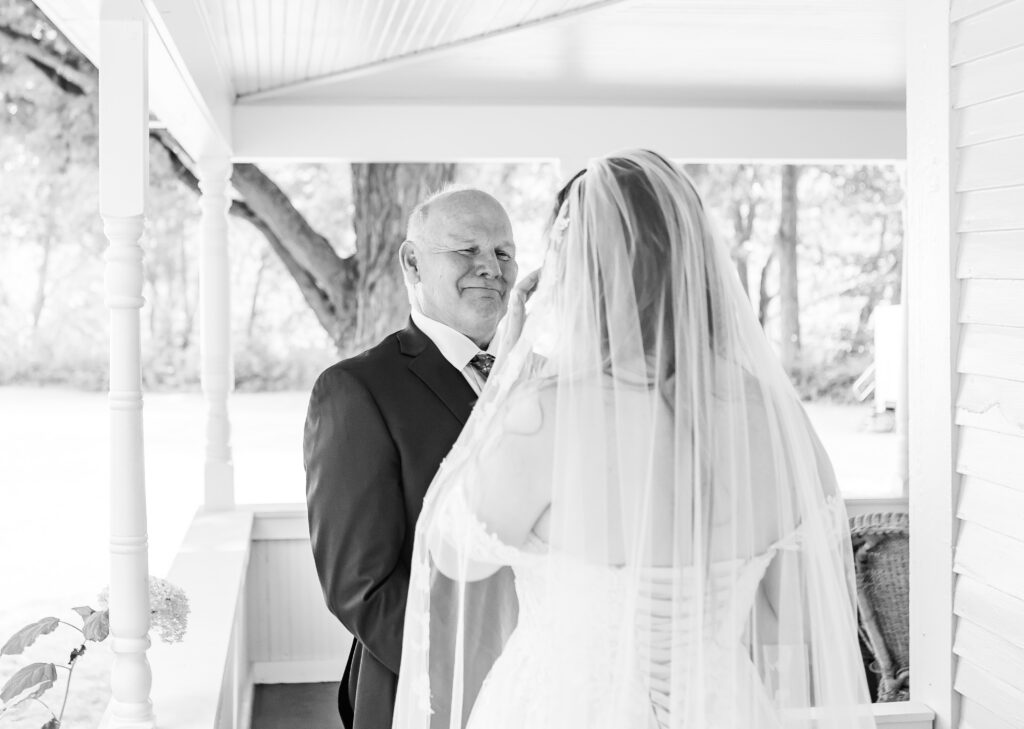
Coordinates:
[544,675]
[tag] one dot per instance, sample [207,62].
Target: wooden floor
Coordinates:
[296,706]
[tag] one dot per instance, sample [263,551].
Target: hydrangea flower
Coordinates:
[168,609]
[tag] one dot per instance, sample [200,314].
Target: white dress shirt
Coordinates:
[455,347]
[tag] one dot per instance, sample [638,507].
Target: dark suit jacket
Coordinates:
[377,428]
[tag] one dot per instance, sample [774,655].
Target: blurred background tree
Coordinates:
[314,275]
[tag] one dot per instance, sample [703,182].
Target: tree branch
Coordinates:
[310,249]
[55,68]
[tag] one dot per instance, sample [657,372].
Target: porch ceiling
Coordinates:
[573,77]
[650,52]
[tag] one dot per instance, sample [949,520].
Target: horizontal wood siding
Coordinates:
[992,120]
[992,255]
[975,716]
[992,350]
[987,60]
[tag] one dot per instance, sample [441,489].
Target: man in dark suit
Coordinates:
[379,424]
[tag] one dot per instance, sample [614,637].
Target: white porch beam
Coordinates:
[413,133]
[191,76]
[215,329]
[189,88]
[932,342]
[123,160]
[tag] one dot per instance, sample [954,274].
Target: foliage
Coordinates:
[169,612]
[289,321]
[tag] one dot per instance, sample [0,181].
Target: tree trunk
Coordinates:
[44,268]
[763,297]
[785,249]
[384,196]
[254,304]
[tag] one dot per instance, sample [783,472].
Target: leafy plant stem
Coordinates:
[64,622]
[45,706]
[67,690]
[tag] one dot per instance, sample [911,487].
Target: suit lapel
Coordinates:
[437,373]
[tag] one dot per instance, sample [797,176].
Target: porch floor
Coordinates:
[296,706]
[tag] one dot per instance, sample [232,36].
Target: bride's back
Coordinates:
[639,477]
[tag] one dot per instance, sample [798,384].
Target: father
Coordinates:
[379,424]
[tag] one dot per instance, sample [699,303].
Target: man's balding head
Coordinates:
[459,261]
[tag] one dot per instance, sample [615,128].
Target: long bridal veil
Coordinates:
[693,564]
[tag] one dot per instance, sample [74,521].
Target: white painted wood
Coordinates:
[965,8]
[381,133]
[975,716]
[991,403]
[998,209]
[904,715]
[856,507]
[299,671]
[282,525]
[288,618]
[197,57]
[991,609]
[987,301]
[981,35]
[988,650]
[419,39]
[995,254]
[215,329]
[995,457]
[993,351]
[204,681]
[995,694]
[989,78]
[640,53]
[932,335]
[992,558]
[996,119]
[994,507]
[991,164]
[123,141]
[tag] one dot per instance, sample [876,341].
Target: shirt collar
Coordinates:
[455,346]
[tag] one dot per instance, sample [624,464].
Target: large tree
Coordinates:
[785,253]
[355,297]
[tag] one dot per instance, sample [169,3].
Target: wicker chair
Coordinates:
[881,545]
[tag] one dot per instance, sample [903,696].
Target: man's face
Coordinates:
[463,266]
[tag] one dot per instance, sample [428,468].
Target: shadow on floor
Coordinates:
[296,706]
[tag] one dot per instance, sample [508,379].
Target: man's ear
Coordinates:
[409,263]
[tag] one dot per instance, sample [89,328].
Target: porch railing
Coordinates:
[258,617]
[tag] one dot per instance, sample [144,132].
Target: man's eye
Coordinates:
[504,255]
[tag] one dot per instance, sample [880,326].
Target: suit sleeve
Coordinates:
[356,513]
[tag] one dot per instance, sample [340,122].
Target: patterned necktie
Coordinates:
[482,363]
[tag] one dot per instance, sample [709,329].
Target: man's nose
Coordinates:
[487,264]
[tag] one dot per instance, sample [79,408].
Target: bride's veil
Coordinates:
[694,567]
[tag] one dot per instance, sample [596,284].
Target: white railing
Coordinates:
[258,616]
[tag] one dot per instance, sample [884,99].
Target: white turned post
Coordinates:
[124,145]
[215,328]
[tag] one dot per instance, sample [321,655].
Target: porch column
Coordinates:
[123,162]
[215,329]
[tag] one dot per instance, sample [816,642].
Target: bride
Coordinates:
[640,461]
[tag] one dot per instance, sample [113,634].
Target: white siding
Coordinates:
[988,96]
